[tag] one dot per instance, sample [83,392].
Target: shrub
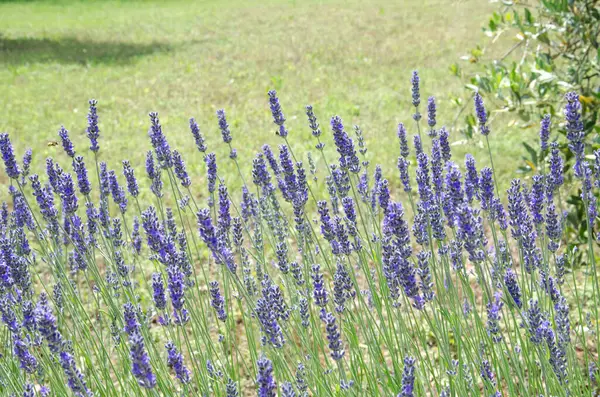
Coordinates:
[277,289]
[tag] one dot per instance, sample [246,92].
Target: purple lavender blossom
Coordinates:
[574,126]
[423,180]
[223,126]
[404,150]
[267,387]
[278,117]
[319,290]
[158,287]
[555,176]
[47,325]
[180,170]
[132,185]
[211,169]
[8,156]
[175,362]
[418,145]
[67,194]
[27,361]
[333,336]
[545,132]
[92,131]
[416,96]
[82,177]
[536,199]
[345,146]
[313,123]
[445,144]
[471,179]
[141,368]
[217,301]
[453,195]
[159,142]
[481,114]
[117,191]
[75,378]
[176,286]
[426,284]
[66,142]
[29,390]
[510,280]
[231,389]
[404,176]
[408,377]
[198,137]
[287,390]
[431,110]
[493,317]
[486,188]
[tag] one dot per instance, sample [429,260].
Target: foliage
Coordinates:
[538,51]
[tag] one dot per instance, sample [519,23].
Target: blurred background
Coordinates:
[188,59]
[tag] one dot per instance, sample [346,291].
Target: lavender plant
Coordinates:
[338,284]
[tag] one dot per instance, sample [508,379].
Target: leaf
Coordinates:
[532,152]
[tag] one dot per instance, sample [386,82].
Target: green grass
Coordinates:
[189,59]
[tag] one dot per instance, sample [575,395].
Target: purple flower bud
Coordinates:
[66,142]
[75,378]
[445,144]
[408,377]
[333,335]
[132,185]
[431,110]
[481,114]
[92,131]
[198,137]
[471,179]
[217,301]
[211,169]
[319,290]
[267,387]
[510,280]
[180,170]
[404,150]
[345,146]
[175,362]
[158,287]
[8,156]
[159,142]
[416,96]
[545,132]
[575,133]
[404,176]
[223,126]
[278,117]
[493,318]
[82,177]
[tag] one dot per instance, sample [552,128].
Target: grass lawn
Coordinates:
[190,59]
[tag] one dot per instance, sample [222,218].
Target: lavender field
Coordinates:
[312,279]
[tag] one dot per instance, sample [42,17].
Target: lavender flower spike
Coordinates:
[223,126]
[66,142]
[93,132]
[408,378]
[267,387]
[481,115]
[198,137]
[545,132]
[278,117]
[8,156]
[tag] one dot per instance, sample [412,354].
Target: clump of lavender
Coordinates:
[333,280]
